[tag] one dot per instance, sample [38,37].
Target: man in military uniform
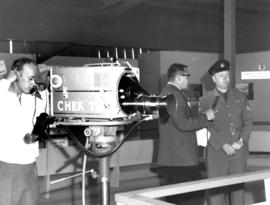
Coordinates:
[228,134]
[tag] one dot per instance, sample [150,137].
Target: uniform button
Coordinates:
[227,106]
[229,115]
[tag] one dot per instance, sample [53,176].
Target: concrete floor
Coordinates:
[70,191]
[72,195]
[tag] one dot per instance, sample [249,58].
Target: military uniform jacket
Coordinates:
[177,140]
[233,120]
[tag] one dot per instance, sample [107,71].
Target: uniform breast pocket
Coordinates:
[237,106]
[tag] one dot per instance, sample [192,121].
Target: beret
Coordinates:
[219,66]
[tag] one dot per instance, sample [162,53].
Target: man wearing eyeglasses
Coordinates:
[178,149]
[227,147]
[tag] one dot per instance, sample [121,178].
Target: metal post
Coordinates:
[104,177]
[229,36]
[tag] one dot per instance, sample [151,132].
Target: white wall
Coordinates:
[154,67]
[261,102]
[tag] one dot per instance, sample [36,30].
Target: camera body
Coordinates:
[90,92]
[100,97]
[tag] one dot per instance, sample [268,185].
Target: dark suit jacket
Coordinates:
[177,140]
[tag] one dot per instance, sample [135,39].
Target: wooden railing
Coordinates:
[149,196]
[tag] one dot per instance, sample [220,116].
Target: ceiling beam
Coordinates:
[114,9]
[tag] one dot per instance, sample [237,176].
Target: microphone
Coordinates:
[215,102]
[34,91]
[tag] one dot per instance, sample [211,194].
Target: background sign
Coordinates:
[255,75]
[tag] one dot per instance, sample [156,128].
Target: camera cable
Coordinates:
[93,154]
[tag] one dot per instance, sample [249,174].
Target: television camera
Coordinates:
[101,97]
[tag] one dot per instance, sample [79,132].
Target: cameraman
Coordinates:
[19,106]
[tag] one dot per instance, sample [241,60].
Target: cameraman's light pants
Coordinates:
[18,184]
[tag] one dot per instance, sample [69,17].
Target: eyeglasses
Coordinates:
[186,75]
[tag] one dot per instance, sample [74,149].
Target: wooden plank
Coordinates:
[200,184]
[267,190]
[137,200]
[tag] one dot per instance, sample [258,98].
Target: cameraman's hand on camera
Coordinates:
[11,76]
[228,149]
[238,144]
[210,114]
